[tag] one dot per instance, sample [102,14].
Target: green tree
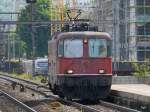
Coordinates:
[42,33]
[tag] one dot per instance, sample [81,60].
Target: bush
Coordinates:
[141,69]
[12,67]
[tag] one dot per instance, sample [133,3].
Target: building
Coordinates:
[140,27]
[2,41]
[128,21]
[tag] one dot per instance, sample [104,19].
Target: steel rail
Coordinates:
[26,86]
[118,107]
[84,108]
[77,105]
[26,81]
[17,102]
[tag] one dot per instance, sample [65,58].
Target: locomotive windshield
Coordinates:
[99,48]
[71,48]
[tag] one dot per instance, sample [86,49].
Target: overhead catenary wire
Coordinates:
[96,9]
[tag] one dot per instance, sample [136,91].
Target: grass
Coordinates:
[26,76]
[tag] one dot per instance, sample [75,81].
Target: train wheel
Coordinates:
[50,86]
[61,95]
[54,90]
[69,98]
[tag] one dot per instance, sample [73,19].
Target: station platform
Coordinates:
[137,92]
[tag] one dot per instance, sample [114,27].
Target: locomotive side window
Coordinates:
[73,48]
[109,48]
[60,49]
[97,47]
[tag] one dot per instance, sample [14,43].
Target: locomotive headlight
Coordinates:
[85,41]
[69,72]
[101,71]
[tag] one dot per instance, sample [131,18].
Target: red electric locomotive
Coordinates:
[80,65]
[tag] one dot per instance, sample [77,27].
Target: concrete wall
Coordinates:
[130,80]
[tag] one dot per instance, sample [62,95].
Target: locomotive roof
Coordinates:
[85,34]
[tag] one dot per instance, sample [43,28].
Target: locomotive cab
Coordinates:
[81,66]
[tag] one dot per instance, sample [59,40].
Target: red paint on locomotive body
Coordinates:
[85,73]
[85,65]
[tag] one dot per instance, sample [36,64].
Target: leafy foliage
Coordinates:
[141,69]
[41,33]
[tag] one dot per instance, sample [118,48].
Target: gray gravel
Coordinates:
[7,106]
[31,96]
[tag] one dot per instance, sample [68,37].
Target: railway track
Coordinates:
[22,81]
[44,91]
[39,88]
[19,105]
